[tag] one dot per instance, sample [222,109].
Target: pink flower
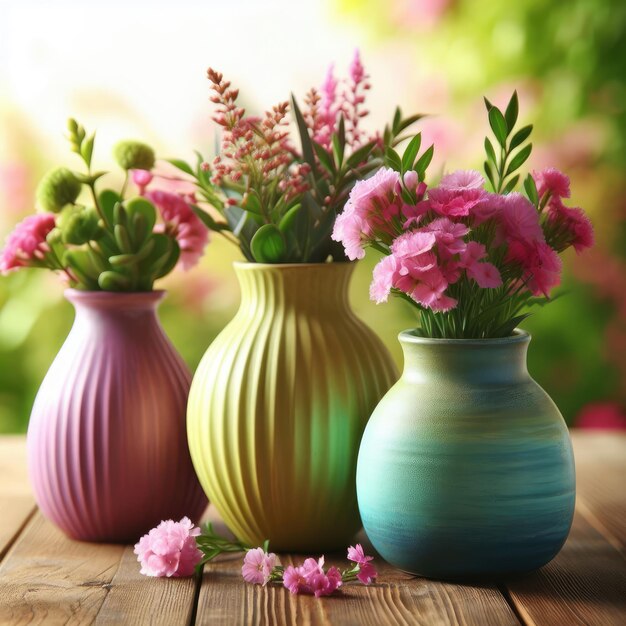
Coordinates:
[383,276]
[356,70]
[27,243]
[191,234]
[553,181]
[142,178]
[410,180]
[170,549]
[519,219]
[573,223]
[473,253]
[462,179]
[449,235]
[371,212]
[541,265]
[310,578]
[258,566]
[486,275]
[452,203]
[357,555]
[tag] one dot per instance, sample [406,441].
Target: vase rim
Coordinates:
[136,297]
[518,336]
[250,265]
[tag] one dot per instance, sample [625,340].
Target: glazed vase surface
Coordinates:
[278,405]
[107,449]
[466,466]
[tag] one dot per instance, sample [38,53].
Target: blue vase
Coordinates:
[466,467]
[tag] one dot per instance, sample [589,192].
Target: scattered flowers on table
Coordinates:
[472,254]
[170,549]
[180,548]
[102,239]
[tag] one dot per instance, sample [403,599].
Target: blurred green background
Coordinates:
[137,70]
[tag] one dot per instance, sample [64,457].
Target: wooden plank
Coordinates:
[398,598]
[601,477]
[16,501]
[48,578]
[136,599]
[584,585]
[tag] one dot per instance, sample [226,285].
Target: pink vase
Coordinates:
[107,448]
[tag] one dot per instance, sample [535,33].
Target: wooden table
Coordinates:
[47,578]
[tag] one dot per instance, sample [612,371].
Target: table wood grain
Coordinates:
[46,578]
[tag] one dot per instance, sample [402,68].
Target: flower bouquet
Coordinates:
[108,454]
[466,467]
[295,368]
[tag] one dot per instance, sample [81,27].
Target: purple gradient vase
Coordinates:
[107,447]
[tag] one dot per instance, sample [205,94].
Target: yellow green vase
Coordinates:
[279,403]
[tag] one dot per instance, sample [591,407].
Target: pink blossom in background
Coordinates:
[258,566]
[418,14]
[27,242]
[191,234]
[574,222]
[602,416]
[142,178]
[170,549]
[15,187]
[553,181]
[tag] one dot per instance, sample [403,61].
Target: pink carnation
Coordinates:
[573,221]
[258,566]
[367,572]
[369,213]
[462,179]
[486,275]
[449,235]
[170,549]
[191,234]
[519,219]
[310,578]
[541,265]
[27,242]
[553,181]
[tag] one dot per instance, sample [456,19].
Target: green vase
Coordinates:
[278,406]
[466,467]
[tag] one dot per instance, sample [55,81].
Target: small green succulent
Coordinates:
[57,189]
[134,155]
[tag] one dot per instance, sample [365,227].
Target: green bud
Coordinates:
[57,188]
[80,227]
[72,125]
[134,155]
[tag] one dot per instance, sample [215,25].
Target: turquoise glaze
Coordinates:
[466,466]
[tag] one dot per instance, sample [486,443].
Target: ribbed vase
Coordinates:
[279,403]
[107,449]
[466,466]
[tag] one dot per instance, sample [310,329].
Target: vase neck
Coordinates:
[486,361]
[131,310]
[308,288]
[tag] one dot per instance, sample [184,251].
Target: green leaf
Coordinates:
[288,220]
[397,117]
[119,260]
[207,220]
[392,159]
[268,244]
[489,173]
[183,166]
[511,184]
[424,161]
[408,158]
[360,155]
[531,189]
[520,136]
[86,150]
[498,125]
[506,329]
[488,104]
[512,111]
[107,201]
[409,121]
[325,158]
[519,159]
[122,239]
[491,153]
[113,281]
[143,207]
[305,140]
[337,150]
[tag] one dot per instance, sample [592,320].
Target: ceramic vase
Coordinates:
[466,466]
[107,449]
[279,403]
